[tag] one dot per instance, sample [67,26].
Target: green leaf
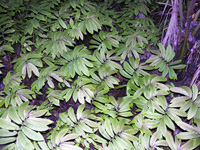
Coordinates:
[69,94]
[14,115]
[55,76]
[91,123]
[80,111]
[69,137]
[129,137]
[186,126]
[60,135]
[6,48]
[37,113]
[62,23]
[53,137]
[123,143]
[159,79]
[10,146]
[34,69]
[177,112]
[4,124]
[3,4]
[41,121]
[192,111]
[115,125]
[154,137]
[43,145]
[95,137]
[170,141]
[66,146]
[88,26]
[40,17]
[111,146]
[85,127]
[6,133]
[187,135]
[104,133]
[172,74]
[32,134]
[35,125]
[194,91]
[169,123]
[179,90]
[117,145]
[108,127]
[126,75]
[153,115]
[162,49]
[71,114]
[162,127]
[191,144]
[48,14]
[84,69]
[24,141]
[71,22]
[7,140]
[169,54]
[78,130]
[24,110]
[125,114]
[9,31]
[99,105]
[178,66]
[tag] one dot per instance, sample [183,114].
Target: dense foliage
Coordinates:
[74,56]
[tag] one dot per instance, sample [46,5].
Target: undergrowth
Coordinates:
[57,75]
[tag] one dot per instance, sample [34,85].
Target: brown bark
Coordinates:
[171,36]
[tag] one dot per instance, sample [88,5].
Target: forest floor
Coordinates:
[184,78]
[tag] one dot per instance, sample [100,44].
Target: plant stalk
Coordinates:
[198,26]
[197,15]
[189,20]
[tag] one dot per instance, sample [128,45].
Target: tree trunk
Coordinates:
[171,37]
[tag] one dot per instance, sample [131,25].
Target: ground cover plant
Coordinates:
[80,74]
